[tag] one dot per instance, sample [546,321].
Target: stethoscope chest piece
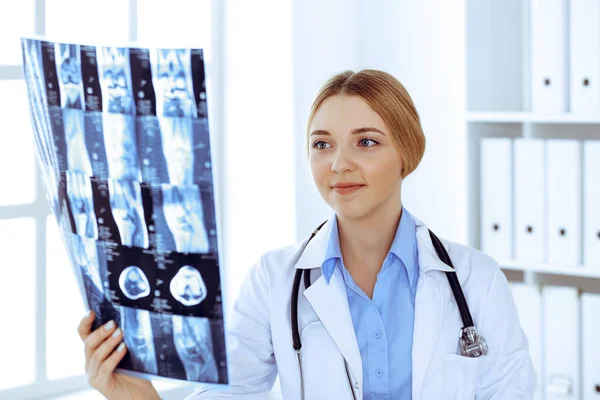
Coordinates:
[471,344]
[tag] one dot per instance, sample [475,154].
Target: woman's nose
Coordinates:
[342,161]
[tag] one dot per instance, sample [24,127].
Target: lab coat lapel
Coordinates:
[330,303]
[429,307]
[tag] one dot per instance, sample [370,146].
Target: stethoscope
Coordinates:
[471,344]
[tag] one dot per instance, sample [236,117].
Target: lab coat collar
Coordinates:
[428,258]
[314,254]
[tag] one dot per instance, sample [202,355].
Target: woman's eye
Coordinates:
[320,145]
[366,142]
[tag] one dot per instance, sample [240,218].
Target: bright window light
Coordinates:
[16,20]
[17,157]
[18,299]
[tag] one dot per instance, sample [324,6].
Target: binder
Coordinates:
[496,197]
[528,300]
[561,343]
[548,56]
[591,200]
[530,195]
[585,56]
[563,160]
[590,304]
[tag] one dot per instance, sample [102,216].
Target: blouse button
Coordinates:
[378,372]
[377,334]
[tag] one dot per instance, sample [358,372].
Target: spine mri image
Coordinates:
[123,144]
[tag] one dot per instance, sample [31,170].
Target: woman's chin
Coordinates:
[351,211]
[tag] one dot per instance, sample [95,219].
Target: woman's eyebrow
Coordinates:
[355,131]
[367,129]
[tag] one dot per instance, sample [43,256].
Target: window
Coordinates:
[40,302]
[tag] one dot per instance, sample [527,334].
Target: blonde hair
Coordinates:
[388,98]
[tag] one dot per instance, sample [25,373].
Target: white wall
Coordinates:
[257,148]
[325,42]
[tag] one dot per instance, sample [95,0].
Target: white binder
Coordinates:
[563,161]
[496,197]
[548,56]
[530,195]
[590,306]
[561,343]
[591,200]
[585,56]
[528,300]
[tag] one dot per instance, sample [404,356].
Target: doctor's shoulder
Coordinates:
[277,266]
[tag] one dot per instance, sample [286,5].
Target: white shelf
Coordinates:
[580,271]
[521,117]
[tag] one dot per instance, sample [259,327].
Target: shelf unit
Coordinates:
[579,271]
[499,105]
[530,118]
[556,302]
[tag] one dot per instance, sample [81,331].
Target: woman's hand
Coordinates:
[104,349]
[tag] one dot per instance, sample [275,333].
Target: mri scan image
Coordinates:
[77,155]
[177,145]
[192,337]
[132,277]
[188,287]
[128,212]
[134,283]
[121,146]
[115,80]
[139,339]
[171,77]
[87,258]
[68,65]
[79,192]
[118,116]
[183,212]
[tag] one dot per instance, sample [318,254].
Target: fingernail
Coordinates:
[88,313]
[116,333]
[109,325]
[121,347]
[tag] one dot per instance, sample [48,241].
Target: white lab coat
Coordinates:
[260,335]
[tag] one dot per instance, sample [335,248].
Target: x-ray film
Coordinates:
[123,144]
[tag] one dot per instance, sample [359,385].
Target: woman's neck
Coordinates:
[366,242]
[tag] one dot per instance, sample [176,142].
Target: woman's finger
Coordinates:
[85,326]
[107,368]
[103,352]
[96,338]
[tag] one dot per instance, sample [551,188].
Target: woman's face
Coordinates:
[349,144]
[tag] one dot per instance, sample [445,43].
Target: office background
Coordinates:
[509,96]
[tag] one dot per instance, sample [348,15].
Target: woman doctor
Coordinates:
[379,320]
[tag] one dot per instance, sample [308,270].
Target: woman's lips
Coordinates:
[347,189]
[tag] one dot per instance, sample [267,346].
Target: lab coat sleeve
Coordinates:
[507,371]
[252,368]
